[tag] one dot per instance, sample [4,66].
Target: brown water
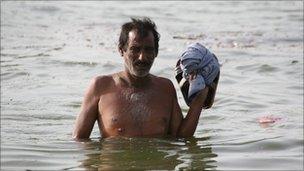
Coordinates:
[50,51]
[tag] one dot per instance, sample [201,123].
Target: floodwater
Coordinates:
[51,50]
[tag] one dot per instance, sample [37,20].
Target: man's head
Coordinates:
[138,44]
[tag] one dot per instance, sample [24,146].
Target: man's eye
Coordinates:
[135,49]
[150,49]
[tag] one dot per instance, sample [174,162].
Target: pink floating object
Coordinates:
[268,119]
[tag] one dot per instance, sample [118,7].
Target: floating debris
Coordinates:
[268,119]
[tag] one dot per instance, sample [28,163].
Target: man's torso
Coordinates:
[128,111]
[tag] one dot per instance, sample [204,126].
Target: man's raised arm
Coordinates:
[189,123]
[89,112]
[185,127]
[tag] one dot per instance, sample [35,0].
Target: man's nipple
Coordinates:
[120,130]
[114,119]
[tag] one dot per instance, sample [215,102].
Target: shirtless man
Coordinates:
[134,103]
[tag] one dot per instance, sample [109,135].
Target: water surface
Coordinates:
[51,50]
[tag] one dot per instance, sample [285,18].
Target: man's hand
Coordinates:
[192,75]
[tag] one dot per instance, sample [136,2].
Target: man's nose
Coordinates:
[143,56]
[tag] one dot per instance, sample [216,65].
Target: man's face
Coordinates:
[140,53]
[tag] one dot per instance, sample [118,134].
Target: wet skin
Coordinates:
[134,103]
[135,111]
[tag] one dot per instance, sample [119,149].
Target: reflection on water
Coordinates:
[148,154]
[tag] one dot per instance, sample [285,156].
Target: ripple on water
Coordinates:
[74,63]
[256,150]
[6,55]
[45,9]
[145,154]
[76,105]
[250,67]
[228,81]
[42,116]
[109,66]
[9,65]
[35,157]
[33,55]
[267,68]
[9,75]
[294,87]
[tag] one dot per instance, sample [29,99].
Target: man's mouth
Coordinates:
[143,64]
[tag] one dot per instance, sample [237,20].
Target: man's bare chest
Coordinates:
[147,111]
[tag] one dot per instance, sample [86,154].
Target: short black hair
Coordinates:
[142,26]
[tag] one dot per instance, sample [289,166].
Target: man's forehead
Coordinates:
[134,37]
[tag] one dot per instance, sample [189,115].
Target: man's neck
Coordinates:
[134,81]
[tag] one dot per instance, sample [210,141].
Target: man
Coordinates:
[134,103]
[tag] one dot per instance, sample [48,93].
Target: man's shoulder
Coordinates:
[101,82]
[161,79]
[102,78]
[163,82]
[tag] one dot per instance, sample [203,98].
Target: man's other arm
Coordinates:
[89,112]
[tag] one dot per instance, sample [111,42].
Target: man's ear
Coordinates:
[120,50]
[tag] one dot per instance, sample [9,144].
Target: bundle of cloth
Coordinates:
[199,60]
